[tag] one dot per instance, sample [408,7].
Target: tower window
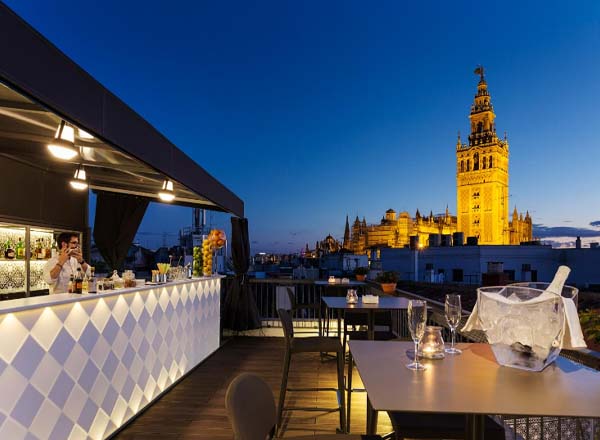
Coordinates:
[462,166]
[491,162]
[475,161]
[479,127]
[484,162]
[468,165]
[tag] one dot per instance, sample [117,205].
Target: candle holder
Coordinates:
[351,296]
[432,344]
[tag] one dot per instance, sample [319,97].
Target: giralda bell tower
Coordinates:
[482,174]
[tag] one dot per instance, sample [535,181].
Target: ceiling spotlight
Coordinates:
[63,144]
[79,180]
[166,194]
[84,134]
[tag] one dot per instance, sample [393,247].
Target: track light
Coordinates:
[79,180]
[63,144]
[84,134]
[166,194]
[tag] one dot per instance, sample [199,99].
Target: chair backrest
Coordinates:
[287,324]
[292,298]
[250,408]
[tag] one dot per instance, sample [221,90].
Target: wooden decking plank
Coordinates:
[195,408]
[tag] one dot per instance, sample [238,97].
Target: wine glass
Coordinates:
[417,316]
[453,311]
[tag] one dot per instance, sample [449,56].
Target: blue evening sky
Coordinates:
[311,110]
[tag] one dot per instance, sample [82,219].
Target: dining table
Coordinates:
[384,303]
[471,383]
[339,289]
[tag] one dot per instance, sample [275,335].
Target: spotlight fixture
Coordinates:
[84,134]
[166,194]
[63,145]
[79,180]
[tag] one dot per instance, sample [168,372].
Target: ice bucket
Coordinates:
[524,323]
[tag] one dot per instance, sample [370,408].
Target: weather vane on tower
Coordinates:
[479,71]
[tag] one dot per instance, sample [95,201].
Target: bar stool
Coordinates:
[310,344]
[251,411]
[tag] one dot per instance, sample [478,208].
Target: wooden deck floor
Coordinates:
[195,408]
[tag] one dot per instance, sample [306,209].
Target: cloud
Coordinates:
[595,223]
[542,231]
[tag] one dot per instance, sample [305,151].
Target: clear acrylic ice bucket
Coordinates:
[523,323]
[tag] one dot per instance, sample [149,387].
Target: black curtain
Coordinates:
[118,217]
[240,311]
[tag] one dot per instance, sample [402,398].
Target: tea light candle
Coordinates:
[432,343]
[331,279]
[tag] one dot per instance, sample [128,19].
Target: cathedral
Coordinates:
[481,196]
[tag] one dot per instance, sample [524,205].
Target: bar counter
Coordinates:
[81,366]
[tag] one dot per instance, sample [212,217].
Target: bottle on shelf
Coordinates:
[71,288]
[92,281]
[9,253]
[47,248]
[85,285]
[78,281]
[54,251]
[20,249]
[39,251]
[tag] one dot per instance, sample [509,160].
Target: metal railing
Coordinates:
[268,300]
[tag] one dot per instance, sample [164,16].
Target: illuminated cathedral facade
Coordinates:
[481,195]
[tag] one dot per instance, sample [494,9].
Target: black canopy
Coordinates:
[118,217]
[240,311]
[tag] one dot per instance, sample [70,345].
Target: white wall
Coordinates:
[584,263]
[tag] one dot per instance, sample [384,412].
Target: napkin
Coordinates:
[370,299]
[572,336]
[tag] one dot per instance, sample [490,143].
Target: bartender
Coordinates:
[58,269]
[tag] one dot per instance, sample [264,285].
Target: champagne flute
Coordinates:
[417,316]
[453,311]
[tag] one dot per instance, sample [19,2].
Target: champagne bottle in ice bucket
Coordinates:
[524,323]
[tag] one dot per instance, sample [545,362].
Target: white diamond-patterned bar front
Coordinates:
[83,369]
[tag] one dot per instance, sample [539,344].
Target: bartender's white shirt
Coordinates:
[60,284]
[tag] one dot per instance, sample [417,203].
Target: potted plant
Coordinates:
[361,273]
[388,280]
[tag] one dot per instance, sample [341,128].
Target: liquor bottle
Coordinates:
[9,252]
[47,248]
[85,285]
[78,281]
[20,249]
[92,282]
[39,249]
[54,251]
[71,288]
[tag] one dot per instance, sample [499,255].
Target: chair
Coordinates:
[251,411]
[439,426]
[310,344]
[296,306]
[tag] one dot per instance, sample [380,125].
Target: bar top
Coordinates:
[34,302]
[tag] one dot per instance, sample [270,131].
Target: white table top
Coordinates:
[385,303]
[473,383]
[340,284]
[33,302]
